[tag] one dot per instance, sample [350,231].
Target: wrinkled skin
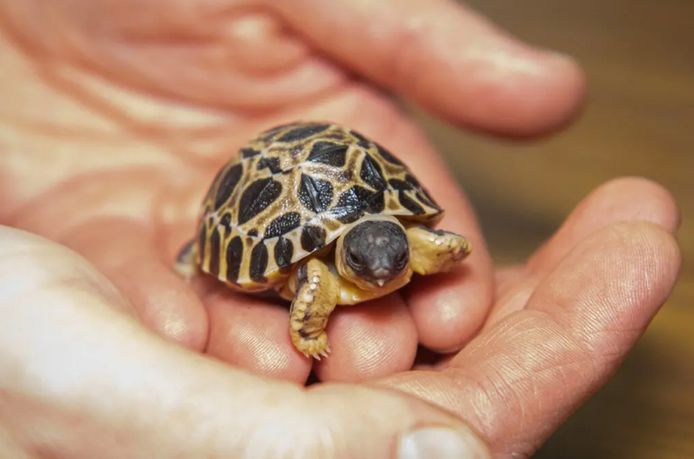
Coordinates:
[114,121]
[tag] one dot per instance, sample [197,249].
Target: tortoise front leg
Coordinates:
[433,251]
[315,298]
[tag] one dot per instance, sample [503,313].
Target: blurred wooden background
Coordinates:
[639,58]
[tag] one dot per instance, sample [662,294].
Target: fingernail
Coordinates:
[442,443]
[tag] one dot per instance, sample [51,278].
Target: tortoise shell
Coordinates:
[291,192]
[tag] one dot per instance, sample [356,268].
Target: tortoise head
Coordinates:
[374,253]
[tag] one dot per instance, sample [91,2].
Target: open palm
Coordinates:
[124,112]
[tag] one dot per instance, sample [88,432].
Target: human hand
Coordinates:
[141,192]
[80,377]
[78,372]
[562,322]
[121,113]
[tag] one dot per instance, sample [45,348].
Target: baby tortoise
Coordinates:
[323,216]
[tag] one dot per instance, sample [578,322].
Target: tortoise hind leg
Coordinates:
[316,296]
[185,264]
[433,251]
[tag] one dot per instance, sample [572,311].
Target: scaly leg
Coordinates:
[315,298]
[434,251]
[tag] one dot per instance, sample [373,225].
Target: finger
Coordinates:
[447,308]
[109,353]
[447,58]
[521,378]
[368,341]
[126,252]
[228,56]
[253,333]
[373,339]
[623,199]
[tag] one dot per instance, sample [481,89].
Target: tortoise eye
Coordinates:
[402,260]
[355,261]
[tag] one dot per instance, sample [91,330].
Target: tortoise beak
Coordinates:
[381,275]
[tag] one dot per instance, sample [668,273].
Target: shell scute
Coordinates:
[330,153]
[257,197]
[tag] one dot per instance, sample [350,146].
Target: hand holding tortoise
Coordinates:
[149,99]
[146,102]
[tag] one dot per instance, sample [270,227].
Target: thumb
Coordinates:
[447,58]
[80,377]
[354,421]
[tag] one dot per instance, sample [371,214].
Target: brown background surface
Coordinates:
[639,58]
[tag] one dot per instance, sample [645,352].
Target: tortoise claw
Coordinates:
[317,355]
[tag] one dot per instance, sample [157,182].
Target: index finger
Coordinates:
[447,58]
